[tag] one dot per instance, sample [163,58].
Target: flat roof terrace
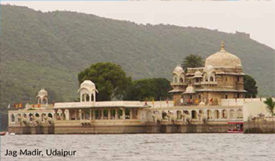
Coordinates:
[101,104]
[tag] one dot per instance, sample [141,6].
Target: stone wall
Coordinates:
[123,129]
[32,130]
[259,126]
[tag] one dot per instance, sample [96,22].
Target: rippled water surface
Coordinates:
[142,147]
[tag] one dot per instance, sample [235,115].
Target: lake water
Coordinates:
[142,147]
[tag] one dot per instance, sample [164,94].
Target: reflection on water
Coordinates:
[140,147]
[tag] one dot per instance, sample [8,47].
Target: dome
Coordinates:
[190,89]
[223,58]
[87,84]
[198,74]
[178,70]
[42,93]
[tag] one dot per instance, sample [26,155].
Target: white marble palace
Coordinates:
[207,97]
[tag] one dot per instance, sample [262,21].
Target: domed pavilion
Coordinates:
[220,78]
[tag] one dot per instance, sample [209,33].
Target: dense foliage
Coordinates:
[270,104]
[192,61]
[148,89]
[110,80]
[250,87]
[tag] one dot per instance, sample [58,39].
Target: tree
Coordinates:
[147,89]
[192,61]
[250,86]
[270,105]
[110,80]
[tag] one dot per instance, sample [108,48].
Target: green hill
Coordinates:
[49,49]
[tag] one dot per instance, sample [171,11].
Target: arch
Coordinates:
[239,113]
[50,115]
[82,98]
[42,100]
[92,98]
[179,115]
[211,76]
[18,117]
[186,113]
[231,113]
[30,116]
[226,96]
[194,114]
[12,118]
[42,97]
[205,78]
[211,79]
[224,114]
[197,80]
[175,79]
[37,115]
[200,113]
[181,80]
[164,115]
[87,97]
[217,114]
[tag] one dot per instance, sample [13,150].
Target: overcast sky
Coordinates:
[256,18]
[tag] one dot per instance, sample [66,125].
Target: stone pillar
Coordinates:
[109,114]
[137,113]
[205,113]
[91,115]
[235,113]
[116,113]
[67,114]
[63,114]
[190,114]
[198,114]
[131,113]
[10,118]
[123,113]
[102,114]
[221,114]
[228,114]
[75,114]
[60,114]
[91,99]
[94,114]
[213,114]
[16,117]
[80,113]
[54,115]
